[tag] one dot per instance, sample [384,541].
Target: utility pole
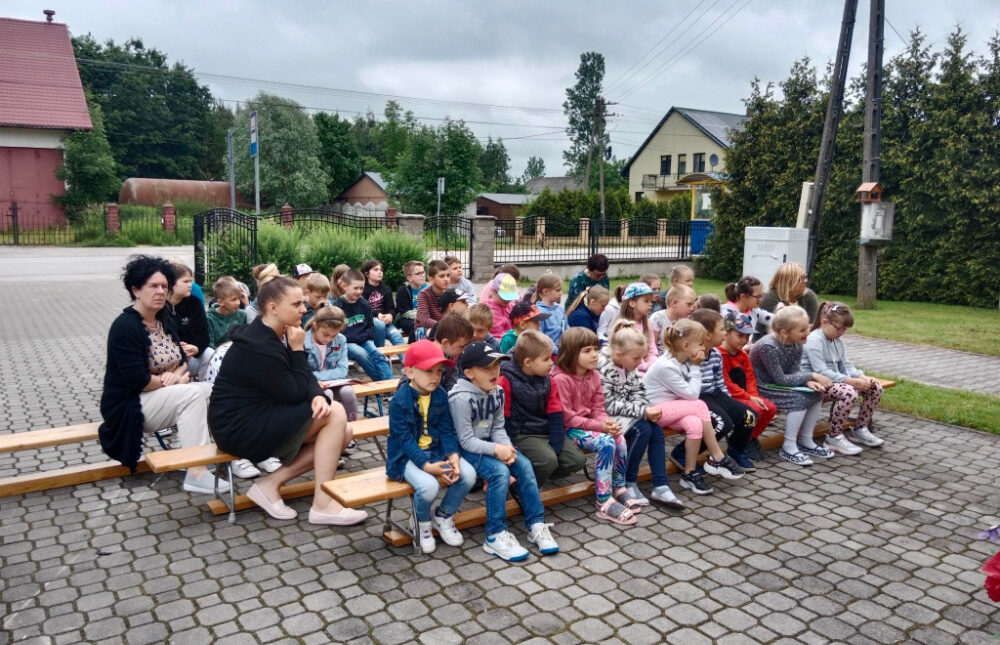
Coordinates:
[830,126]
[232,175]
[600,157]
[867,253]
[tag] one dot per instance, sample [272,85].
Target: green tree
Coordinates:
[88,166]
[159,120]
[494,162]
[450,151]
[338,151]
[289,148]
[211,163]
[394,134]
[581,101]
[534,169]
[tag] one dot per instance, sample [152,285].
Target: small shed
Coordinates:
[503,206]
[368,194]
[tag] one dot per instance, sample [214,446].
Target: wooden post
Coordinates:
[868,253]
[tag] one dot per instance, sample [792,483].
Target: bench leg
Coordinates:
[381,450]
[232,490]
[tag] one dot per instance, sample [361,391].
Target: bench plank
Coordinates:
[70,476]
[34,439]
[393,350]
[371,427]
[366,487]
[163,461]
[376,387]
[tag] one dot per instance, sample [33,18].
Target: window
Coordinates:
[698,161]
[639,195]
[682,165]
[664,165]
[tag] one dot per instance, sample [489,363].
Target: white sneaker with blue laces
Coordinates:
[505,546]
[540,536]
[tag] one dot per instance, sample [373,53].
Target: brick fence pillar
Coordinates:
[169,218]
[287,216]
[411,225]
[480,260]
[113,225]
[390,217]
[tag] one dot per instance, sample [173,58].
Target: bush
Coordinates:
[325,248]
[279,245]
[393,250]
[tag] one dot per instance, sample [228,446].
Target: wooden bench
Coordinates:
[393,350]
[376,389]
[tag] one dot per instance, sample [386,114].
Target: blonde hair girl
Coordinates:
[326,353]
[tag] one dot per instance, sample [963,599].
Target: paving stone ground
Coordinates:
[880,548]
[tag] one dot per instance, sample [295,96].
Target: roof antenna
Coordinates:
[48,14]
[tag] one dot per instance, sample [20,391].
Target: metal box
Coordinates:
[766,247]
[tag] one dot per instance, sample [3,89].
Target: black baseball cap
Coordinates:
[479,354]
[449,296]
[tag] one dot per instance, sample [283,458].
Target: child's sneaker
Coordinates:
[741,459]
[754,451]
[841,445]
[665,496]
[695,482]
[816,451]
[505,546]
[350,448]
[269,465]
[423,535]
[540,536]
[636,495]
[865,437]
[445,526]
[725,468]
[244,469]
[797,458]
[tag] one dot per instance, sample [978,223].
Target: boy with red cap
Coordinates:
[423,449]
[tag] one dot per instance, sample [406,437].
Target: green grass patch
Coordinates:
[957,407]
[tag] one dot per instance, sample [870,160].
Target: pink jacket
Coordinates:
[582,399]
[501,315]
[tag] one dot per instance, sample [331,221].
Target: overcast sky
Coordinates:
[505,55]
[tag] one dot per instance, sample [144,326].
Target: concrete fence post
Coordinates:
[287,216]
[585,231]
[113,225]
[411,224]
[481,253]
[625,230]
[661,231]
[169,218]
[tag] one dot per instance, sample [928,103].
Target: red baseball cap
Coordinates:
[424,354]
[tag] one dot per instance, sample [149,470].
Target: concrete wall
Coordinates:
[618,269]
[31,138]
[677,136]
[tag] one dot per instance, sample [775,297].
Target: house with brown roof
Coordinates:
[41,101]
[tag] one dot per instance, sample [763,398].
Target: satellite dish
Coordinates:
[713,160]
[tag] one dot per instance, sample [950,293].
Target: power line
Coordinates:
[891,26]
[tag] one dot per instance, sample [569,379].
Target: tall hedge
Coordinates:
[940,165]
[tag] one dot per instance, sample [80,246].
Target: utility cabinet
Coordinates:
[767,247]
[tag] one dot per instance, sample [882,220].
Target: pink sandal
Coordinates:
[616,512]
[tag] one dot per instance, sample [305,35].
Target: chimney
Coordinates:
[49,13]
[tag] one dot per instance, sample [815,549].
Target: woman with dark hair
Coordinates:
[267,403]
[146,383]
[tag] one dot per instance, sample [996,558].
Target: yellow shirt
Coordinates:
[425,403]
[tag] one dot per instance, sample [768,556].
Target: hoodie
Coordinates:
[582,399]
[478,417]
[263,393]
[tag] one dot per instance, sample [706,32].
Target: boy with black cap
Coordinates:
[523,316]
[476,403]
[422,448]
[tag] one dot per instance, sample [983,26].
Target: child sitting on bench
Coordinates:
[423,449]
[326,352]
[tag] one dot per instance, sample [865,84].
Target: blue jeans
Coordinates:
[370,360]
[426,489]
[383,330]
[642,434]
[497,475]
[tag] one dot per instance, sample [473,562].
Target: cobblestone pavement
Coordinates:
[929,365]
[880,548]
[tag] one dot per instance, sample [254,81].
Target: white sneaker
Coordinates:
[540,536]
[445,526]
[865,437]
[204,484]
[423,534]
[841,445]
[244,469]
[269,465]
[665,496]
[505,546]
[350,448]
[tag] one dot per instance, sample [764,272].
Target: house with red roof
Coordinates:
[41,101]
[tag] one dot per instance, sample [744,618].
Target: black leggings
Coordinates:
[730,417]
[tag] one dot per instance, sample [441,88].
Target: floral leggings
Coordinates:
[844,397]
[612,459]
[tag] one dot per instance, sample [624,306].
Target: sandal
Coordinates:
[614,511]
[628,500]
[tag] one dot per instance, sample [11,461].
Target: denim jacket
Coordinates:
[406,425]
[335,366]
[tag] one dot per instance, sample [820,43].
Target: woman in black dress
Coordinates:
[267,403]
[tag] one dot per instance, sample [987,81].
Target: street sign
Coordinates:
[253,133]
[440,185]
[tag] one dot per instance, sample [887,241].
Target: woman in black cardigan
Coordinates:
[267,403]
[146,383]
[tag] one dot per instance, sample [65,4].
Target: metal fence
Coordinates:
[32,222]
[308,219]
[542,239]
[449,235]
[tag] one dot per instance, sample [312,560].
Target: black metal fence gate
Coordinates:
[225,243]
[450,235]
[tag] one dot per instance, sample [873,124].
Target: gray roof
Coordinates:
[713,124]
[377,178]
[511,199]
[555,184]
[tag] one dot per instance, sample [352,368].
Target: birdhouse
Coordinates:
[870,191]
[876,222]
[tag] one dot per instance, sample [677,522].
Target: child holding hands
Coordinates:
[477,408]
[589,426]
[423,449]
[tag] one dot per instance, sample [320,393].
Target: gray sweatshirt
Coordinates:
[478,417]
[828,357]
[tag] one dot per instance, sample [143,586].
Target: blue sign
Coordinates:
[253,133]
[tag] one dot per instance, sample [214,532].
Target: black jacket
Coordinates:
[360,326]
[529,406]
[125,376]
[380,298]
[191,322]
[263,393]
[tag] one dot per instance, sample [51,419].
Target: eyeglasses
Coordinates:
[417,273]
[756,296]
[839,328]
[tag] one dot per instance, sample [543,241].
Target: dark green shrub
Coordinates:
[393,250]
[279,245]
[325,248]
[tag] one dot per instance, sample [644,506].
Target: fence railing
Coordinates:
[307,219]
[539,239]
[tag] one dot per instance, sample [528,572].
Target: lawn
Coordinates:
[960,408]
[964,328]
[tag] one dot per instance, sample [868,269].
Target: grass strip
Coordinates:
[957,407]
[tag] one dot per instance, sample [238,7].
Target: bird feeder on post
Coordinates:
[876,215]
